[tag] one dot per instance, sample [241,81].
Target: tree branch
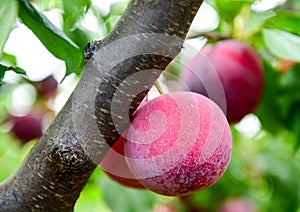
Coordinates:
[147,37]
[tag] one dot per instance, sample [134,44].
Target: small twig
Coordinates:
[208,35]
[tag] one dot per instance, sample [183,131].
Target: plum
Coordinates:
[178,143]
[231,67]
[115,166]
[47,87]
[28,127]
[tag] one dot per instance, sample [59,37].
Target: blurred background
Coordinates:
[264,171]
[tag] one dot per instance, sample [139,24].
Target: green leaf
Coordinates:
[282,44]
[212,3]
[296,125]
[4,69]
[46,5]
[91,198]
[52,37]
[228,9]
[285,20]
[268,109]
[8,15]
[125,197]
[9,58]
[74,11]
[289,94]
[256,19]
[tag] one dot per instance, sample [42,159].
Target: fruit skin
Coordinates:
[240,74]
[115,166]
[47,87]
[178,143]
[27,127]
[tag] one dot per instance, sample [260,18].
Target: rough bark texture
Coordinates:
[59,165]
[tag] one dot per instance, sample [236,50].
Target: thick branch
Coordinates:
[59,165]
[52,175]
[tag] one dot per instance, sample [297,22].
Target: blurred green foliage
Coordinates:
[265,166]
[8,11]
[52,37]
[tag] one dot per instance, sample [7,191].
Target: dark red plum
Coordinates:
[115,166]
[28,127]
[229,69]
[47,87]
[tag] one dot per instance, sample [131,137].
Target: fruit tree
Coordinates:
[149,105]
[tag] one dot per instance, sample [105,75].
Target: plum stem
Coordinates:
[158,87]
[208,35]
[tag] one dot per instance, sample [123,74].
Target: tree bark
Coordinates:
[147,37]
